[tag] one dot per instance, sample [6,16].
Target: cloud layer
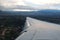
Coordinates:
[29,4]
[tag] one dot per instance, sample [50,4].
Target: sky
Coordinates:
[25,5]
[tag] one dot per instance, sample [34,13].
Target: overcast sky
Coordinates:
[29,4]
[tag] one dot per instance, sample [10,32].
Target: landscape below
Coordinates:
[12,23]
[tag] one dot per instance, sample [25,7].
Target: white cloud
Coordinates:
[8,3]
[39,2]
[29,4]
[21,10]
[13,4]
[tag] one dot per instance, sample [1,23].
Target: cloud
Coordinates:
[56,6]
[13,4]
[29,4]
[42,2]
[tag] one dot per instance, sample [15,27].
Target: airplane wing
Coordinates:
[40,30]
